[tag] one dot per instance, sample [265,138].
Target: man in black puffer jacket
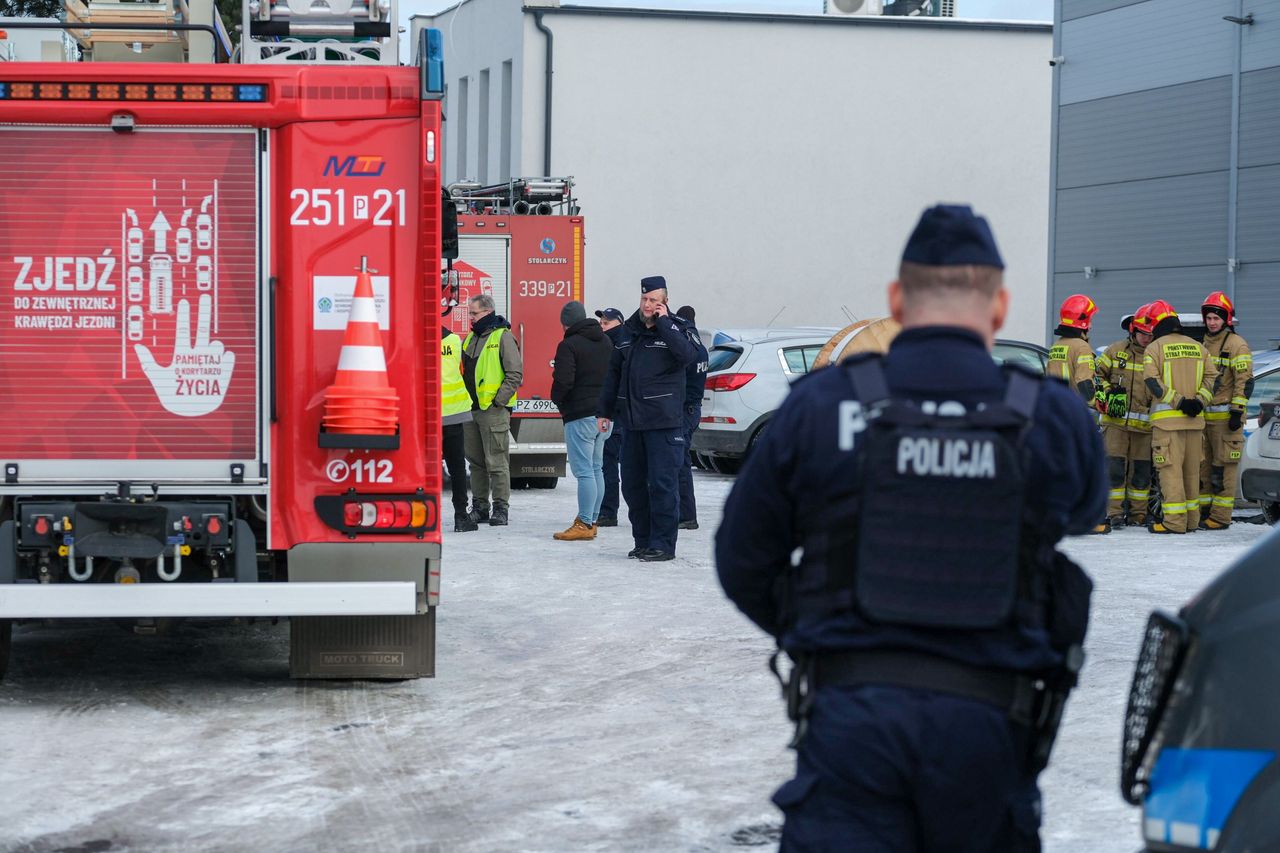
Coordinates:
[582,360]
[646,382]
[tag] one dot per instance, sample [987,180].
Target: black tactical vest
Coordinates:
[931,535]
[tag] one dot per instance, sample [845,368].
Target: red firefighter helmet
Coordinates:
[1150,315]
[1220,303]
[1077,312]
[1139,321]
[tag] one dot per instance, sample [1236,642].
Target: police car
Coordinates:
[1202,726]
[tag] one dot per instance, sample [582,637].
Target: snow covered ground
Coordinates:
[584,702]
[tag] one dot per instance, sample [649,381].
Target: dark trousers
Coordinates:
[688,506]
[455,460]
[651,463]
[612,460]
[898,770]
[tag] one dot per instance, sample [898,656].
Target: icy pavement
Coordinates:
[584,702]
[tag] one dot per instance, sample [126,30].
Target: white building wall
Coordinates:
[480,36]
[771,168]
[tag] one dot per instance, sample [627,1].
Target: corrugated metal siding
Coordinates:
[1072,9]
[1260,117]
[1260,44]
[1258,303]
[1167,222]
[1176,130]
[1258,217]
[1119,293]
[1144,46]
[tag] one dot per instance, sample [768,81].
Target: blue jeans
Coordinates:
[585,445]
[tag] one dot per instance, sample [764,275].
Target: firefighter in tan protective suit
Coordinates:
[1070,357]
[1124,401]
[1181,378]
[1224,416]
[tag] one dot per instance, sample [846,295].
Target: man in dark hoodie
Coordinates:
[582,360]
[492,370]
[646,381]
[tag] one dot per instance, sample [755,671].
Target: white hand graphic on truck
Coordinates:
[196,381]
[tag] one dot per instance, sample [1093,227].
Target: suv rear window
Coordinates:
[723,357]
[800,360]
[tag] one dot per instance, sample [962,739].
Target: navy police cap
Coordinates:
[952,235]
[652,282]
[611,314]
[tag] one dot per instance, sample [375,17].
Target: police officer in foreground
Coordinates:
[931,658]
[646,384]
[1125,401]
[1224,416]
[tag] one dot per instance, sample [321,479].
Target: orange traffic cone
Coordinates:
[361,401]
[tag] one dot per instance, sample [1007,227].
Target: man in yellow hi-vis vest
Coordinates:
[492,371]
[455,410]
[1181,378]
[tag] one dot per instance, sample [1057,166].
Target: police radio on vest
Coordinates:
[946,457]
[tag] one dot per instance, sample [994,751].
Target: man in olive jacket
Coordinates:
[492,370]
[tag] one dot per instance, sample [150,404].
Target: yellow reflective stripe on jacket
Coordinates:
[1242,362]
[489,372]
[1239,401]
[454,399]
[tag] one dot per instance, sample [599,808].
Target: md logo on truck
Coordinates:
[355,166]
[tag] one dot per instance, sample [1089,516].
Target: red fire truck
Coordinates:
[522,243]
[180,247]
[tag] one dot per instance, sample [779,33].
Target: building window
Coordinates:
[505,165]
[482,135]
[464,119]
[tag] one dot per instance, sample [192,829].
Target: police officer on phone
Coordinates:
[933,649]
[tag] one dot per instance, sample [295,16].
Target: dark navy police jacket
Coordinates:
[646,379]
[695,381]
[797,464]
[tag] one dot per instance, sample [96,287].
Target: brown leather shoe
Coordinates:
[579,531]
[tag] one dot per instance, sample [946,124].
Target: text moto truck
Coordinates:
[218,322]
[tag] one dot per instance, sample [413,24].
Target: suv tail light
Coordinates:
[728,381]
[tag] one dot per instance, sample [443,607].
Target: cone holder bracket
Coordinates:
[355,441]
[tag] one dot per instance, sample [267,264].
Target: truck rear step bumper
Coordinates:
[82,601]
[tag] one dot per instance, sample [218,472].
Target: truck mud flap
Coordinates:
[381,647]
[8,552]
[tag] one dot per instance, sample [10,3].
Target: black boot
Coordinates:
[479,513]
[607,521]
[463,522]
[499,517]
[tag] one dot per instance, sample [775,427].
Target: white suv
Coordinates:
[747,379]
[1260,464]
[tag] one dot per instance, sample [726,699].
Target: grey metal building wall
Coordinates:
[1166,158]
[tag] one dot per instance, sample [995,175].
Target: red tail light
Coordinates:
[365,515]
[728,381]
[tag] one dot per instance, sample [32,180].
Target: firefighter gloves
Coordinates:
[1191,407]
